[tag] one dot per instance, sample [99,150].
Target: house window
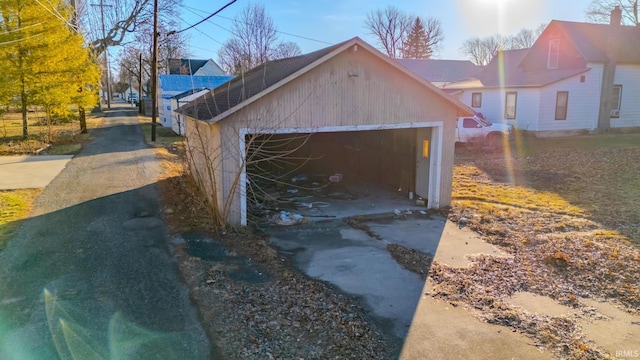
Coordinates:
[616,100]
[562,99]
[476,99]
[554,54]
[510,101]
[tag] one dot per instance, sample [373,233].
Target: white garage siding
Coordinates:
[629,77]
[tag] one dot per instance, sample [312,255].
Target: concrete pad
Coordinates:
[420,234]
[358,265]
[30,172]
[459,245]
[618,333]
[538,304]
[441,331]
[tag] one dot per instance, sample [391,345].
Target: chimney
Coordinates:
[616,16]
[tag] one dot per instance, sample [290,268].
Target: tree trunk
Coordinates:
[83,120]
[25,117]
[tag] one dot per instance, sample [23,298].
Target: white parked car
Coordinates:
[477,128]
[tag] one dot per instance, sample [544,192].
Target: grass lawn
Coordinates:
[15,205]
[66,138]
[164,136]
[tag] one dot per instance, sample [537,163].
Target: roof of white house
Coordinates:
[504,71]
[435,70]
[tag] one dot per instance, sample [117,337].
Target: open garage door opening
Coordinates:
[321,175]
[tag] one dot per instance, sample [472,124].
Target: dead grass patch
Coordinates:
[15,206]
[566,209]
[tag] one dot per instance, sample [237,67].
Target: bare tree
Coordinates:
[525,38]
[481,50]
[390,26]
[599,11]
[254,41]
[121,19]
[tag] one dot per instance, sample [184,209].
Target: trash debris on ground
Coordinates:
[287,218]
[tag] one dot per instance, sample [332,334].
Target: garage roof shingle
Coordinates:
[243,87]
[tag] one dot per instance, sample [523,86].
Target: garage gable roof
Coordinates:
[263,79]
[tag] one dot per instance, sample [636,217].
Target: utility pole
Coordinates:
[106,52]
[81,112]
[154,72]
[140,91]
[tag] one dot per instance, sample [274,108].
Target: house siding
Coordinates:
[568,58]
[349,90]
[493,102]
[629,77]
[583,102]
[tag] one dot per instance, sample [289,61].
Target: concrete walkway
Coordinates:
[30,172]
[89,275]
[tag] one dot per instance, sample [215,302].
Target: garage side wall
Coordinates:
[352,89]
[204,157]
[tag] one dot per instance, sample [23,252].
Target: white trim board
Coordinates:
[435,162]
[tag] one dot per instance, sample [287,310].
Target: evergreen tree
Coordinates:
[44,61]
[417,44]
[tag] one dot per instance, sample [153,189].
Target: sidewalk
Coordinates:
[30,172]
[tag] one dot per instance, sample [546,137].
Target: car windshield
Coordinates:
[482,121]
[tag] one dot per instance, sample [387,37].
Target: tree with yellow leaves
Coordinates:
[44,60]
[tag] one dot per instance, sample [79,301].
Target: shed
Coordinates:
[354,111]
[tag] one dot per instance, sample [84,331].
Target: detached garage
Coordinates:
[346,113]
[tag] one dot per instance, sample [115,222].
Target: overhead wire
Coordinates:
[246,23]
[203,20]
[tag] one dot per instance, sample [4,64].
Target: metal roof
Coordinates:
[180,83]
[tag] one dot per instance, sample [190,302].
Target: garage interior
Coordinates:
[291,177]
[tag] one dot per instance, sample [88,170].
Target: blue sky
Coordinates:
[333,21]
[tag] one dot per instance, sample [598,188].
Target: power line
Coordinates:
[203,20]
[57,14]
[278,31]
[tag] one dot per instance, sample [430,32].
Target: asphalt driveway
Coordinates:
[90,275]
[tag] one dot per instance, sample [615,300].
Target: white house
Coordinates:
[194,67]
[576,77]
[171,85]
[177,119]
[130,90]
